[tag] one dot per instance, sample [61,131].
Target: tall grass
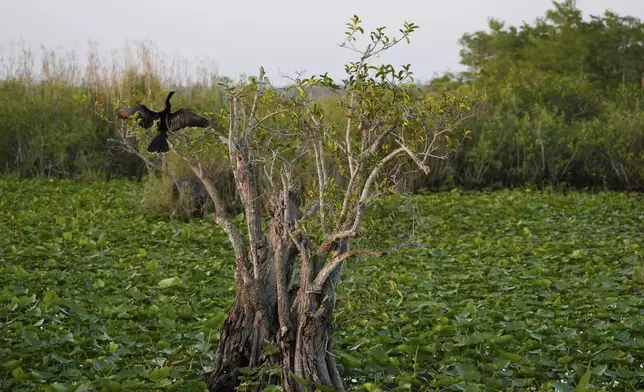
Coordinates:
[49,104]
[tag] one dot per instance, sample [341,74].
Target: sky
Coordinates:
[284,36]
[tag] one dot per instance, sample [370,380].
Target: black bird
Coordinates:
[167,121]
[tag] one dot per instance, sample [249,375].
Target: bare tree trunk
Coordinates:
[305,353]
[235,346]
[313,345]
[249,326]
[298,321]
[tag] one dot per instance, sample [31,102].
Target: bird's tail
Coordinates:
[159,144]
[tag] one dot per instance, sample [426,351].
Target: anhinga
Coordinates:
[167,121]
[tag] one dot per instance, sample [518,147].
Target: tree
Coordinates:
[305,185]
[558,92]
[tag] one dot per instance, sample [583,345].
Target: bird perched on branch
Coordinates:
[167,121]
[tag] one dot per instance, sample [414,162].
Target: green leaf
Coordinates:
[467,387]
[583,383]
[349,360]
[273,388]
[406,348]
[598,370]
[468,373]
[11,365]
[51,296]
[324,388]
[561,386]
[57,387]
[512,357]
[168,282]
[379,355]
[17,373]
[370,387]
[300,380]
[110,385]
[102,241]
[158,373]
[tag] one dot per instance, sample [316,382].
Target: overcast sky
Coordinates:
[291,35]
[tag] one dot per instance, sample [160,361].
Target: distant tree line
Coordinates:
[564,104]
[563,107]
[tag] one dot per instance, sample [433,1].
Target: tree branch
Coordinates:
[366,189]
[345,202]
[233,129]
[253,111]
[321,173]
[352,96]
[414,157]
[219,217]
[328,269]
[128,147]
[364,196]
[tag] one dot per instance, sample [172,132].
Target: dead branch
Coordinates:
[130,148]
[245,176]
[328,269]
[321,174]
[328,244]
[366,189]
[414,157]
[226,224]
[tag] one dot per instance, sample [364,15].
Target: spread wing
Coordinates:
[146,116]
[186,118]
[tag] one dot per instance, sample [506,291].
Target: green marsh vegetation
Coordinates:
[519,289]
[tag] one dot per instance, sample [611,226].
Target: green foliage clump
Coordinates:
[564,103]
[518,290]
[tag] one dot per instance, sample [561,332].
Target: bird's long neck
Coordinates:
[168,105]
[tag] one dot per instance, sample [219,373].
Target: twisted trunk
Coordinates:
[313,344]
[250,324]
[306,353]
[273,310]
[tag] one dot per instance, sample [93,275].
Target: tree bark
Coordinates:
[306,353]
[250,324]
[273,310]
[313,344]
